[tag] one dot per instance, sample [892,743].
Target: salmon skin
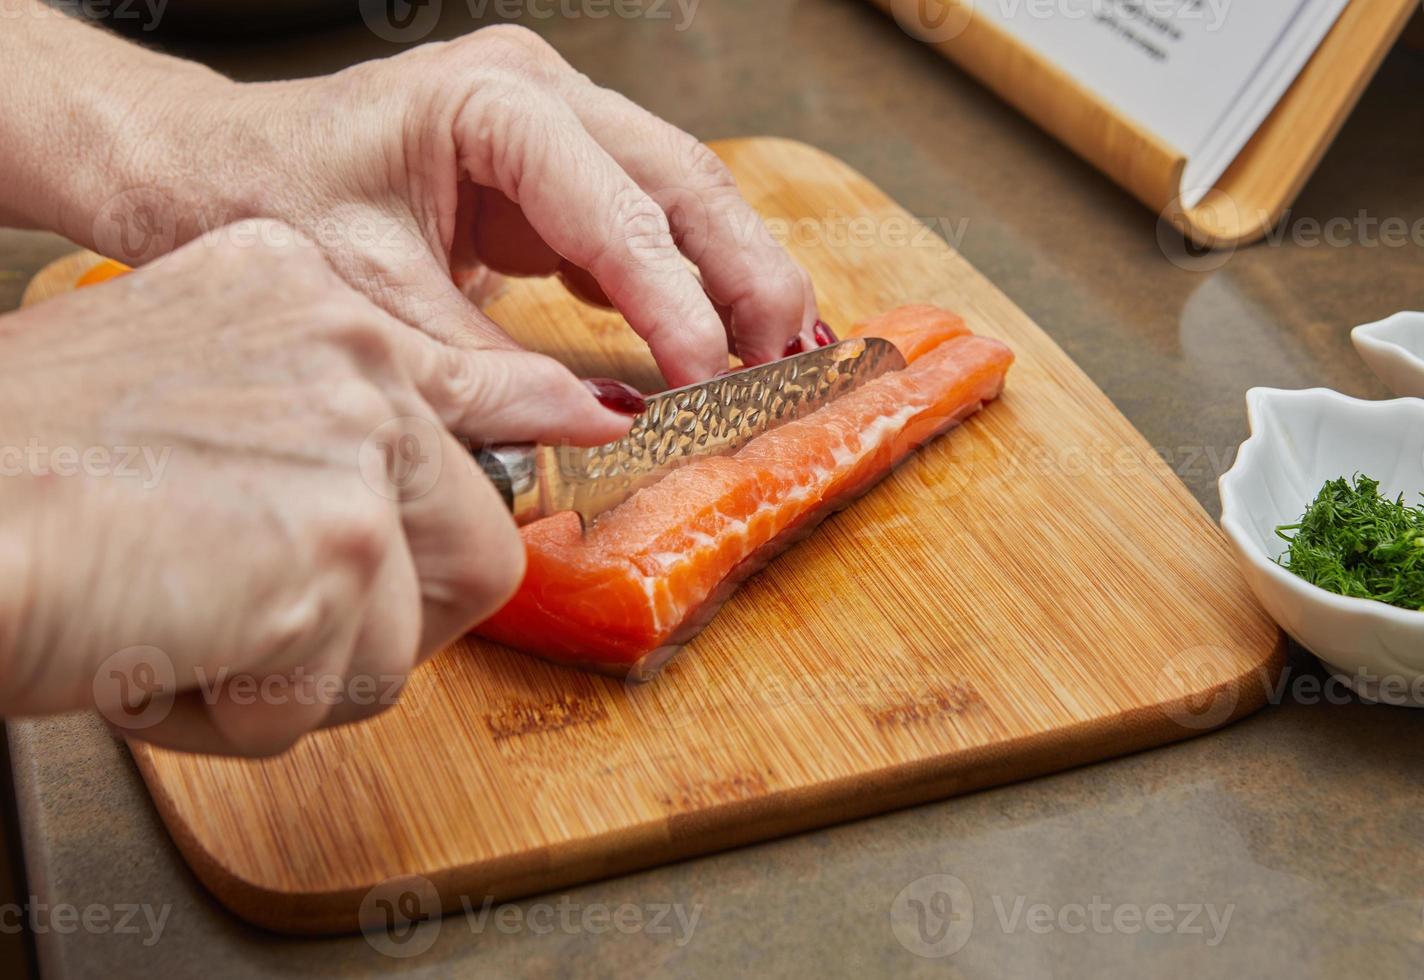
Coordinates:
[651,573]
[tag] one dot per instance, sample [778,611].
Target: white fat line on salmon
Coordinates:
[872,438]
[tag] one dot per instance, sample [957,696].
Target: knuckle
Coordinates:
[505,106]
[357,539]
[496,84]
[514,44]
[637,213]
[492,386]
[641,226]
[702,166]
[459,379]
[517,124]
[347,324]
[783,286]
[501,385]
[291,628]
[781,297]
[777,279]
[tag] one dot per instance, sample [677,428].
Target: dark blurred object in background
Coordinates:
[217,19]
[16,954]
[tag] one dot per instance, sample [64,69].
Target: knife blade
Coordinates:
[677,426]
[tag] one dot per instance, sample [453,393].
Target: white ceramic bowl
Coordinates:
[1299,440]
[1394,350]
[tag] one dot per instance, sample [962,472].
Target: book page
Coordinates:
[1199,74]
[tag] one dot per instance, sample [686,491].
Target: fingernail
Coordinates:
[824,335]
[793,346]
[616,396]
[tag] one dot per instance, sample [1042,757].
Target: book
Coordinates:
[1211,112]
[1201,75]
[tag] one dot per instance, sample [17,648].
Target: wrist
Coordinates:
[91,157]
[146,190]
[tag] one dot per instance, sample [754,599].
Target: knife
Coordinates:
[708,419]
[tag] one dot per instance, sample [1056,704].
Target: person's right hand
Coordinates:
[231,510]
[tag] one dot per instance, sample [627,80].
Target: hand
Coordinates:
[416,172]
[233,459]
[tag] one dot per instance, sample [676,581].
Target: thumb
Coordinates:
[506,395]
[479,381]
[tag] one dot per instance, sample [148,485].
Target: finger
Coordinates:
[462,549]
[466,551]
[388,645]
[263,711]
[592,213]
[770,296]
[265,708]
[505,396]
[188,726]
[463,556]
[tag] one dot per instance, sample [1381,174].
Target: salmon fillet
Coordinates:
[649,574]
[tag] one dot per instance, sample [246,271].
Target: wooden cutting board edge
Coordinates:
[730,824]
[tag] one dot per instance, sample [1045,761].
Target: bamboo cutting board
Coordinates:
[1034,591]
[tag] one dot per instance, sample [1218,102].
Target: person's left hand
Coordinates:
[416,173]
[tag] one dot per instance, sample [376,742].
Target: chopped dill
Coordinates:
[1355,542]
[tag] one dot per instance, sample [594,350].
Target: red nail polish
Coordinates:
[793,346]
[616,396]
[824,335]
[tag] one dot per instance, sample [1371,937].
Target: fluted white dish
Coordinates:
[1299,440]
[1394,350]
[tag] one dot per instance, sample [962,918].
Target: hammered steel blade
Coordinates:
[708,419]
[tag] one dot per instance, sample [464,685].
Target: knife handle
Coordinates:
[514,471]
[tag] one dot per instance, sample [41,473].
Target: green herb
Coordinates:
[1355,542]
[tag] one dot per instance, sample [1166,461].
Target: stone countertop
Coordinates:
[1291,842]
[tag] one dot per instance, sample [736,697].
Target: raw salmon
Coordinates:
[649,574]
[915,330]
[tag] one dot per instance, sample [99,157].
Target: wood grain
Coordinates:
[1266,176]
[1034,591]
